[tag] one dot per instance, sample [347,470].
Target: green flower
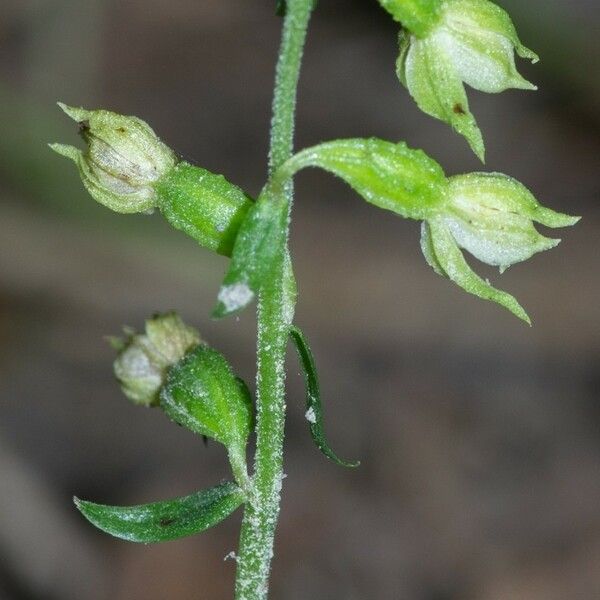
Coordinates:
[144,359]
[472,42]
[492,217]
[123,160]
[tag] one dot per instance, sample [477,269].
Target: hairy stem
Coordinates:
[275,313]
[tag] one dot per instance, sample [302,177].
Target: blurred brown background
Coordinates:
[479,436]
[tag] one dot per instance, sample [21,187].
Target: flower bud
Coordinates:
[473,42]
[491,216]
[203,394]
[144,359]
[123,160]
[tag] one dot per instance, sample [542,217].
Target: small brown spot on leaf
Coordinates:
[458,109]
[166,521]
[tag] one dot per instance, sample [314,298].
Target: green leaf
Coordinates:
[203,394]
[390,176]
[314,412]
[256,247]
[164,521]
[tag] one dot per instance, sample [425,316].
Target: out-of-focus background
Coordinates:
[479,437]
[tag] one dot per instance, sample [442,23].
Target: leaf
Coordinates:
[260,239]
[165,521]
[314,412]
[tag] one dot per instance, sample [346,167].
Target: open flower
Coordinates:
[123,160]
[472,42]
[492,217]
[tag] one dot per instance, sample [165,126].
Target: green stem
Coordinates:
[275,313]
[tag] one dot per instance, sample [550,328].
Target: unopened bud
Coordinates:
[123,160]
[144,359]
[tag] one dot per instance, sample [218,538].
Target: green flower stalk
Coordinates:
[126,167]
[467,42]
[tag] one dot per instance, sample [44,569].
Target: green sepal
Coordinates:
[390,176]
[257,245]
[314,410]
[447,257]
[429,75]
[203,394]
[203,205]
[165,521]
[418,16]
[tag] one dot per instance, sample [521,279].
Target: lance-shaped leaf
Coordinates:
[314,411]
[164,521]
[391,176]
[258,243]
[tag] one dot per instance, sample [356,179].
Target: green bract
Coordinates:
[418,16]
[473,43]
[204,205]
[122,162]
[390,176]
[144,359]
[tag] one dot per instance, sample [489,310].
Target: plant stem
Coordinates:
[275,313]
